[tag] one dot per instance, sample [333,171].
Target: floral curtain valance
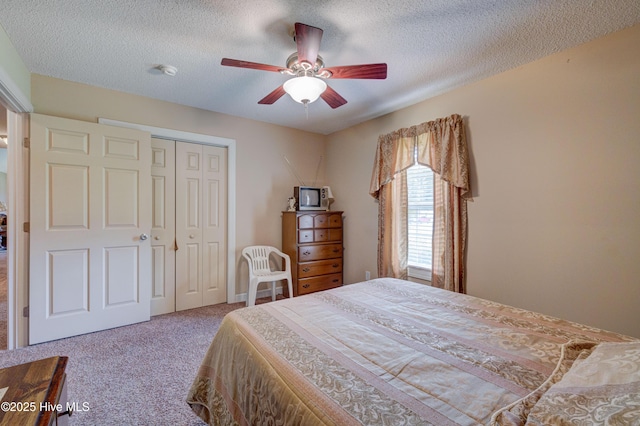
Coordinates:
[440,144]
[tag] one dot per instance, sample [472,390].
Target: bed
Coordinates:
[392,352]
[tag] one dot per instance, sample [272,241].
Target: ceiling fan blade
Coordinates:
[273,96]
[308,42]
[332,98]
[368,71]
[253,65]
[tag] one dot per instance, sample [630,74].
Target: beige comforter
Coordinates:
[381,352]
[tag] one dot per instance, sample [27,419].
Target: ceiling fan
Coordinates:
[309,72]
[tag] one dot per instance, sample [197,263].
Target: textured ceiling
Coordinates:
[430,47]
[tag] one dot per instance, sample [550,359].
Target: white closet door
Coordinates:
[214,237]
[200,225]
[163,226]
[188,226]
[90,210]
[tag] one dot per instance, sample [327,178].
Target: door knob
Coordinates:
[143,237]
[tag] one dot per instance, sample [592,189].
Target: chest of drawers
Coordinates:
[313,241]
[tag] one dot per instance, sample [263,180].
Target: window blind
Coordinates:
[420,215]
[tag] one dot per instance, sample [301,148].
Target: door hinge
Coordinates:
[25,312]
[26,227]
[26,142]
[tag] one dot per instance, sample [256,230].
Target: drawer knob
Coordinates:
[336,251]
[306,269]
[306,252]
[306,285]
[336,280]
[335,265]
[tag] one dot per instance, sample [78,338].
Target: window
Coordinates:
[420,220]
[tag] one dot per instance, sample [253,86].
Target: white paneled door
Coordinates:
[90,255]
[200,225]
[163,226]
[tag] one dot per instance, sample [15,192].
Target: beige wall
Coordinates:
[555,157]
[12,67]
[264,180]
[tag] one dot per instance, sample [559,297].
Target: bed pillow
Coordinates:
[602,389]
[516,413]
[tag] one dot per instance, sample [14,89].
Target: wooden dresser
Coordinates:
[313,241]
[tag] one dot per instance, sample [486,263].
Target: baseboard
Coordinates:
[242,297]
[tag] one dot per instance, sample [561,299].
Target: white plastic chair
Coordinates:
[260,270]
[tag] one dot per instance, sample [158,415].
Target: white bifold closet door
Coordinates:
[201,205]
[163,226]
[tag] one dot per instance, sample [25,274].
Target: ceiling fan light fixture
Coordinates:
[305,89]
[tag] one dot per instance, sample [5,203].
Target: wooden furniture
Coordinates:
[313,241]
[36,393]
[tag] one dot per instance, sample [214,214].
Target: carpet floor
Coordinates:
[134,375]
